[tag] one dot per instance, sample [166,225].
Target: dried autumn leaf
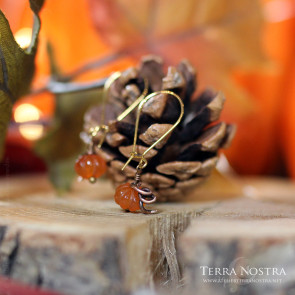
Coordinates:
[215,35]
[17,67]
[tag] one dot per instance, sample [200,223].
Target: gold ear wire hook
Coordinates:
[136,102]
[134,154]
[106,88]
[103,127]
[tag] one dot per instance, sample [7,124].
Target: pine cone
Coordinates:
[185,158]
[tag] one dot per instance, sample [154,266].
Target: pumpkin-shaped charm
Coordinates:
[127,197]
[90,166]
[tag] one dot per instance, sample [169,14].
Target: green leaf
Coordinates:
[16,67]
[61,174]
[62,142]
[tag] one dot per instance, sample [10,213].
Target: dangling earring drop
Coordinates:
[132,196]
[90,165]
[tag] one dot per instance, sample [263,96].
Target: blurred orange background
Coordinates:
[258,80]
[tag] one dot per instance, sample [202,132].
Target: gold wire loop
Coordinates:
[106,88]
[108,84]
[134,154]
[142,161]
[104,128]
[93,131]
[136,102]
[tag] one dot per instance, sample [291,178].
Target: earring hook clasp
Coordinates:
[141,157]
[105,128]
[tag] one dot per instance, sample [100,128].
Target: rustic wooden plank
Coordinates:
[242,233]
[82,243]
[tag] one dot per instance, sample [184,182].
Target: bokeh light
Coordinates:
[28,113]
[23,37]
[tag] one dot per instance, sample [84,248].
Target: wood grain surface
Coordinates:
[83,243]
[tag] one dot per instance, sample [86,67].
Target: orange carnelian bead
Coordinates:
[127,197]
[88,166]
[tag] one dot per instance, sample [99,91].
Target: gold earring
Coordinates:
[131,196]
[91,166]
